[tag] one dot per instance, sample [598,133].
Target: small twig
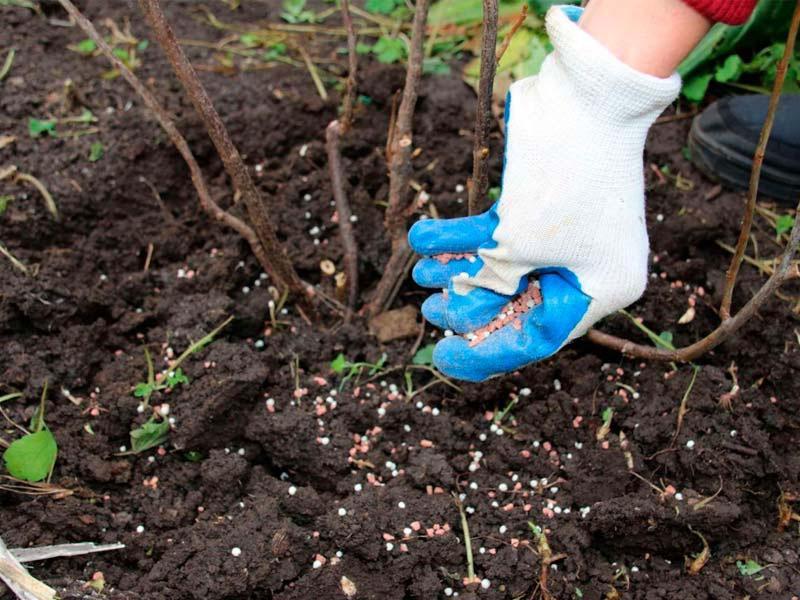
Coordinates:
[349,246]
[514,27]
[676,117]
[755,173]
[14,261]
[400,171]
[7,63]
[351,88]
[27,177]
[683,408]
[479,184]
[149,257]
[312,70]
[277,261]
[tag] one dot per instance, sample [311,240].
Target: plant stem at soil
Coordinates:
[204,196]
[349,246]
[467,539]
[479,184]
[401,144]
[755,173]
[279,266]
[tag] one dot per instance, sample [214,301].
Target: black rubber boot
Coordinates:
[724,137]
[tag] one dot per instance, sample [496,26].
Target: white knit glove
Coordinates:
[571,212]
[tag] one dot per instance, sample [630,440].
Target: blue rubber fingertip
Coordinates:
[434,309]
[429,272]
[454,358]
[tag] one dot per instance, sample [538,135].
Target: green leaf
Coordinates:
[607,415]
[783,224]
[143,390]
[749,567]
[95,152]
[152,433]
[176,377]
[142,45]
[362,48]
[275,51]
[4,200]
[339,364]
[694,89]
[37,127]
[249,40]
[193,456]
[20,3]
[494,193]
[389,50]
[730,70]
[32,456]
[381,7]
[435,65]
[424,356]
[85,47]
[123,55]
[666,340]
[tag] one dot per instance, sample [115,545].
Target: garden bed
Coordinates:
[277,481]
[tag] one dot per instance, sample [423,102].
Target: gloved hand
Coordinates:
[570,214]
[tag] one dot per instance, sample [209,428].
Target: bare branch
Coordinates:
[349,247]
[731,324]
[479,184]
[352,69]
[755,173]
[514,27]
[279,266]
[725,330]
[400,171]
[204,196]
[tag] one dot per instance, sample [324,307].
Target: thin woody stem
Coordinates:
[755,173]
[279,267]
[400,171]
[349,246]
[204,196]
[352,69]
[514,27]
[479,184]
[726,329]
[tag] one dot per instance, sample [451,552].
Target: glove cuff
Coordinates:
[602,82]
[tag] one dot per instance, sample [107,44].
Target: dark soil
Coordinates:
[273,483]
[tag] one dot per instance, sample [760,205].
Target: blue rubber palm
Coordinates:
[450,248]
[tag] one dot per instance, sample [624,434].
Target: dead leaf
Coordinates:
[395,324]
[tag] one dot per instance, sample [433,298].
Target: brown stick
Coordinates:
[349,246]
[204,197]
[514,27]
[352,69]
[279,266]
[400,171]
[725,329]
[479,184]
[755,173]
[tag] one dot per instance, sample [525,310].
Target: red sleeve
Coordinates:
[732,12]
